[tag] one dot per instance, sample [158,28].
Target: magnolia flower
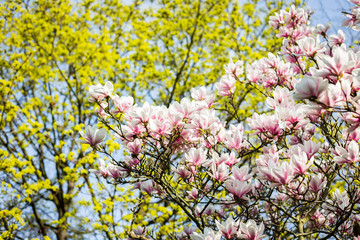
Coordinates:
[282,97]
[238,188]
[188,230]
[208,234]
[310,148]
[339,201]
[182,171]
[333,96]
[228,159]
[147,186]
[284,173]
[347,155]
[234,69]
[226,86]
[101,110]
[123,104]
[193,194]
[220,172]
[311,46]
[317,183]
[251,231]
[310,87]
[135,146]
[235,139]
[116,171]
[337,39]
[241,174]
[321,29]
[201,94]
[103,171]
[335,65]
[319,218]
[301,163]
[196,157]
[93,136]
[228,228]
[99,92]
[140,231]
[354,18]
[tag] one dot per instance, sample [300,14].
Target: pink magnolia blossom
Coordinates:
[301,163]
[310,87]
[310,148]
[103,171]
[234,69]
[235,138]
[353,18]
[266,159]
[226,86]
[140,231]
[208,234]
[267,125]
[238,188]
[220,172]
[204,121]
[93,136]
[284,173]
[123,104]
[291,118]
[159,124]
[142,114]
[229,228]
[99,92]
[135,146]
[339,201]
[147,187]
[201,94]
[321,29]
[352,134]
[253,73]
[277,20]
[241,174]
[116,171]
[319,218]
[183,172]
[193,194]
[337,39]
[267,172]
[251,231]
[282,97]
[347,155]
[185,107]
[311,46]
[335,65]
[228,159]
[195,157]
[132,129]
[131,161]
[333,96]
[317,183]
[101,110]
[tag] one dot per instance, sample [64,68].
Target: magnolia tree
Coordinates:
[290,173]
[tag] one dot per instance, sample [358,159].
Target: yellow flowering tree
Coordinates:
[51,51]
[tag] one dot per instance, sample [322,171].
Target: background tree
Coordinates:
[51,51]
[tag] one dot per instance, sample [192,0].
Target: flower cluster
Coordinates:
[274,176]
[354,16]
